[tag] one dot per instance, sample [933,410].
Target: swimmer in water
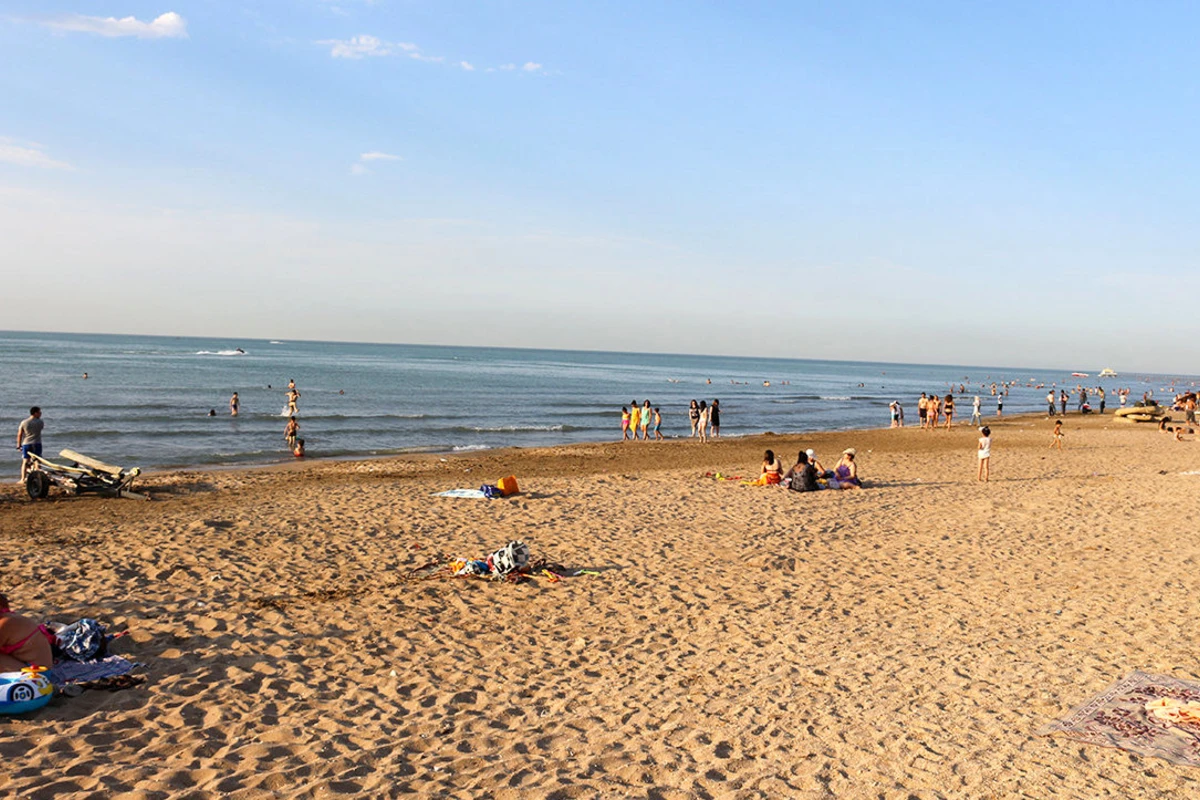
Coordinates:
[298,450]
[85,376]
[212,412]
[233,405]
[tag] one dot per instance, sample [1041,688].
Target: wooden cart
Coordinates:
[84,476]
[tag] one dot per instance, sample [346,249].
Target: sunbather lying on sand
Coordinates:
[23,642]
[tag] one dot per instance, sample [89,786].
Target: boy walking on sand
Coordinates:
[985,453]
[658,437]
[1058,434]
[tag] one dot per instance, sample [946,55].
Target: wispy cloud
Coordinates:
[28,154]
[360,167]
[165,26]
[366,46]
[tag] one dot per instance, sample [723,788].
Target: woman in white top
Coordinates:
[702,422]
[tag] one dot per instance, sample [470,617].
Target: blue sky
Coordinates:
[929,182]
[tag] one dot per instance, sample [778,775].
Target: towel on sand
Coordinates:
[475,493]
[66,672]
[1130,715]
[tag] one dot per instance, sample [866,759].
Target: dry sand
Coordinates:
[905,641]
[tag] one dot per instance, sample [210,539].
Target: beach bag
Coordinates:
[491,492]
[508,486]
[82,641]
[510,558]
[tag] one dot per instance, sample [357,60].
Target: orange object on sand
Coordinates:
[508,486]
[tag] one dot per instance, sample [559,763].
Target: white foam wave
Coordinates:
[275,342]
[220,352]
[465,447]
[823,397]
[512,428]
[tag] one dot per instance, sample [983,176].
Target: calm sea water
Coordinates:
[146,399]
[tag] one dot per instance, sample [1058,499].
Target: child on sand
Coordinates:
[1058,434]
[658,437]
[624,423]
[985,453]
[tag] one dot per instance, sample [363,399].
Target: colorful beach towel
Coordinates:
[1151,715]
[472,493]
[66,672]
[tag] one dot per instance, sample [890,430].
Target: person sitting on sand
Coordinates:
[298,450]
[23,642]
[845,474]
[817,465]
[803,476]
[772,470]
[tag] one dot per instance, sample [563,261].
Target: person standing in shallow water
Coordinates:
[635,417]
[702,422]
[694,416]
[234,404]
[714,418]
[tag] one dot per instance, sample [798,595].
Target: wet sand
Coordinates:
[742,642]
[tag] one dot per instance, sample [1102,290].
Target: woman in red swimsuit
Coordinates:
[23,642]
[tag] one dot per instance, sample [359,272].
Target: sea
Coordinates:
[146,399]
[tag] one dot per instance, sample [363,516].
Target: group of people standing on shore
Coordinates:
[643,419]
[635,418]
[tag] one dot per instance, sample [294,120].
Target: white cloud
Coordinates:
[357,47]
[365,46]
[359,167]
[165,26]
[28,155]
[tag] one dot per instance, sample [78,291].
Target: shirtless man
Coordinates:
[233,405]
[292,397]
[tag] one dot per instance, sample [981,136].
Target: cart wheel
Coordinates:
[37,484]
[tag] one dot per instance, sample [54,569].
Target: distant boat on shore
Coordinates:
[1107,373]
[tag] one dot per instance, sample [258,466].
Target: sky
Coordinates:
[965,183]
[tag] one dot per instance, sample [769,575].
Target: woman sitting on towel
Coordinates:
[772,470]
[803,476]
[845,474]
[23,642]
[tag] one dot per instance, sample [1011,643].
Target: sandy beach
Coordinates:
[737,642]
